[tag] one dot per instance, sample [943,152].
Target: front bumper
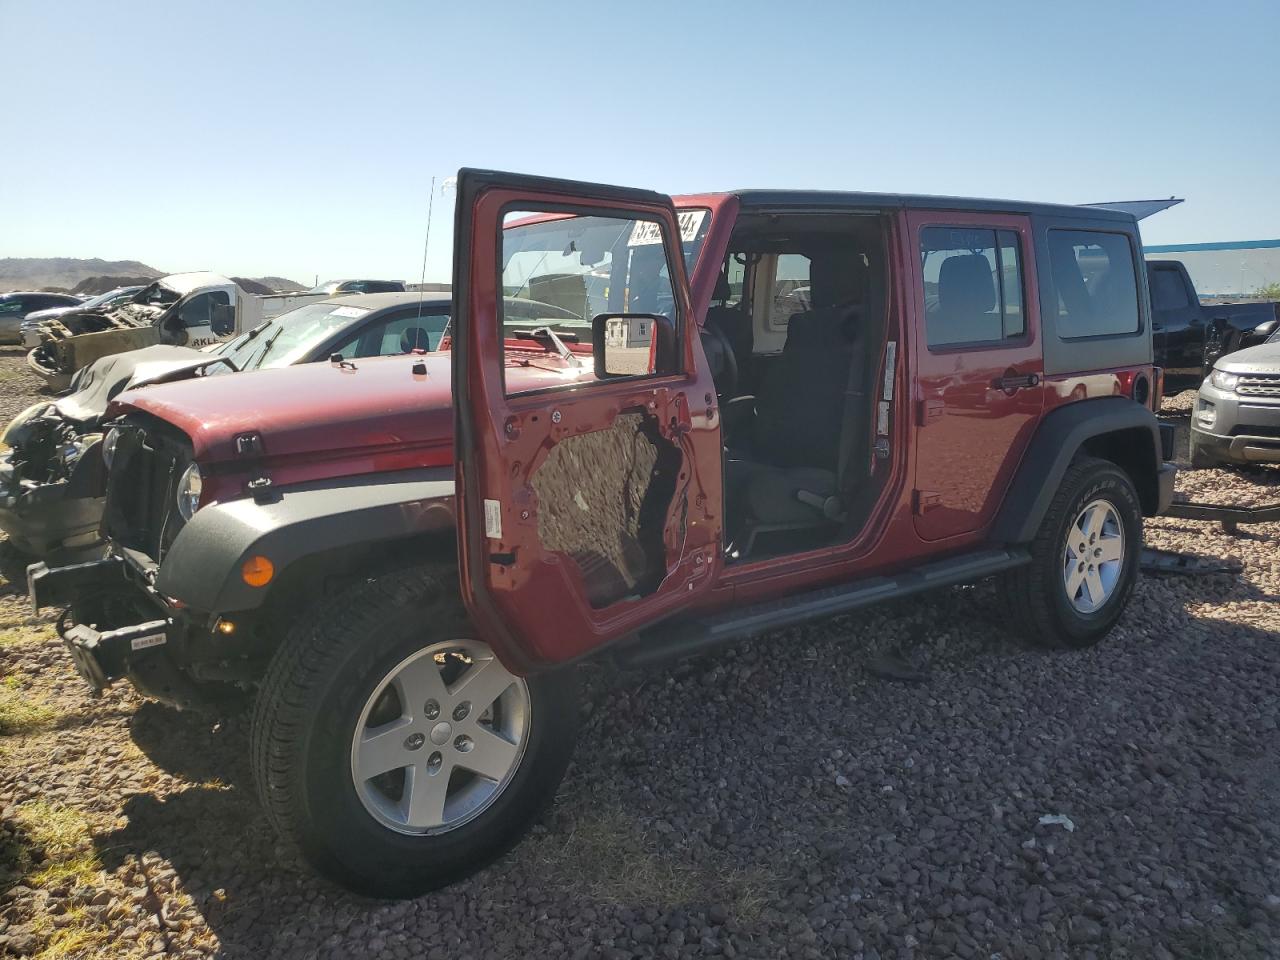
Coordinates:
[1243,430]
[100,656]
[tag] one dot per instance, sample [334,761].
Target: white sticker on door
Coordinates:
[493,519]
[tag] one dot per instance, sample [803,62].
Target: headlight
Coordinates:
[189,489]
[109,446]
[1224,381]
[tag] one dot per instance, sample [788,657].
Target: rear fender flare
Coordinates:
[202,567]
[1116,428]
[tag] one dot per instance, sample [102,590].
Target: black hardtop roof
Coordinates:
[850,200]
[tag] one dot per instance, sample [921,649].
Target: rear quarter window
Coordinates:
[1168,292]
[1095,284]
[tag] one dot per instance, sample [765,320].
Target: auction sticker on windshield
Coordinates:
[348,312]
[650,231]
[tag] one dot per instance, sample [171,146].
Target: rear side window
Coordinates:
[972,285]
[1168,292]
[790,289]
[1095,283]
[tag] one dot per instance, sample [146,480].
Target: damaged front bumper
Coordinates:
[117,626]
[100,656]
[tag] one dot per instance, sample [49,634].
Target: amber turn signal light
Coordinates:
[257,571]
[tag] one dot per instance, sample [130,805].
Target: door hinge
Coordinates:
[922,501]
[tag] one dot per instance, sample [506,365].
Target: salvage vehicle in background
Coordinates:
[335,288]
[401,558]
[52,482]
[1236,419]
[16,306]
[1189,336]
[31,323]
[183,309]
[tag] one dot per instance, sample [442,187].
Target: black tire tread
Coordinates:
[1025,588]
[305,657]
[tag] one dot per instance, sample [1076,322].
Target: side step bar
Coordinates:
[684,638]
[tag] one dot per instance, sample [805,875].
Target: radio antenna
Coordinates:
[426,245]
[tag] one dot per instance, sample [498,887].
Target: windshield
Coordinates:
[291,336]
[560,273]
[327,287]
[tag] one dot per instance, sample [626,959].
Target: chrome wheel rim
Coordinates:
[440,738]
[1093,559]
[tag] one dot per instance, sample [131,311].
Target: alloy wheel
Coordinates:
[439,738]
[1093,558]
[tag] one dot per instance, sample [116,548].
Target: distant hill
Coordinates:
[93,276]
[92,286]
[33,273]
[282,285]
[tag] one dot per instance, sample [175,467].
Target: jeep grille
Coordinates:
[141,513]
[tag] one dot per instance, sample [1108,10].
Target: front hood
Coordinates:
[322,411]
[98,383]
[36,316]
[1264,358]
[315,409]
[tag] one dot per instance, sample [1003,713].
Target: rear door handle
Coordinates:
[1010,383]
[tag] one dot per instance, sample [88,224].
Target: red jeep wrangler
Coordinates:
[854,398]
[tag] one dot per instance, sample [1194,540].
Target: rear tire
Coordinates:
[340,702]
[1079,579]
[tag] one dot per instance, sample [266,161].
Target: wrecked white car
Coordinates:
[183,309]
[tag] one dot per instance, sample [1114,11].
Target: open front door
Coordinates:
[587,443]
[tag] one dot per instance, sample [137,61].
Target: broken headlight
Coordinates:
[189,489]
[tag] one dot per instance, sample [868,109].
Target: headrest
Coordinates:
[414,338]
[837,277]
[965,285]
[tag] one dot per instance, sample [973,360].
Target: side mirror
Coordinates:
[632,344]
[222,319]
[1265,329]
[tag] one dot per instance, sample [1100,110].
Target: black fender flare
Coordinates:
[202,567]
[1060,436]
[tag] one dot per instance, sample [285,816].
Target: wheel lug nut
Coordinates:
[431,710]
[463,743]
[461,710]
[434,762]
[414,740]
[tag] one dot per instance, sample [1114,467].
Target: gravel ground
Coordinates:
[774,800]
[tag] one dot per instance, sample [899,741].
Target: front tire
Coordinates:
[1084,559]
[391,746]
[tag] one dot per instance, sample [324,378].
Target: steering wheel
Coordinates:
[727,383]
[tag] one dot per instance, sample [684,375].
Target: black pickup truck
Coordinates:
[1189,336]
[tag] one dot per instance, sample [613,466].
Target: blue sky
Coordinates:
[300,139]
